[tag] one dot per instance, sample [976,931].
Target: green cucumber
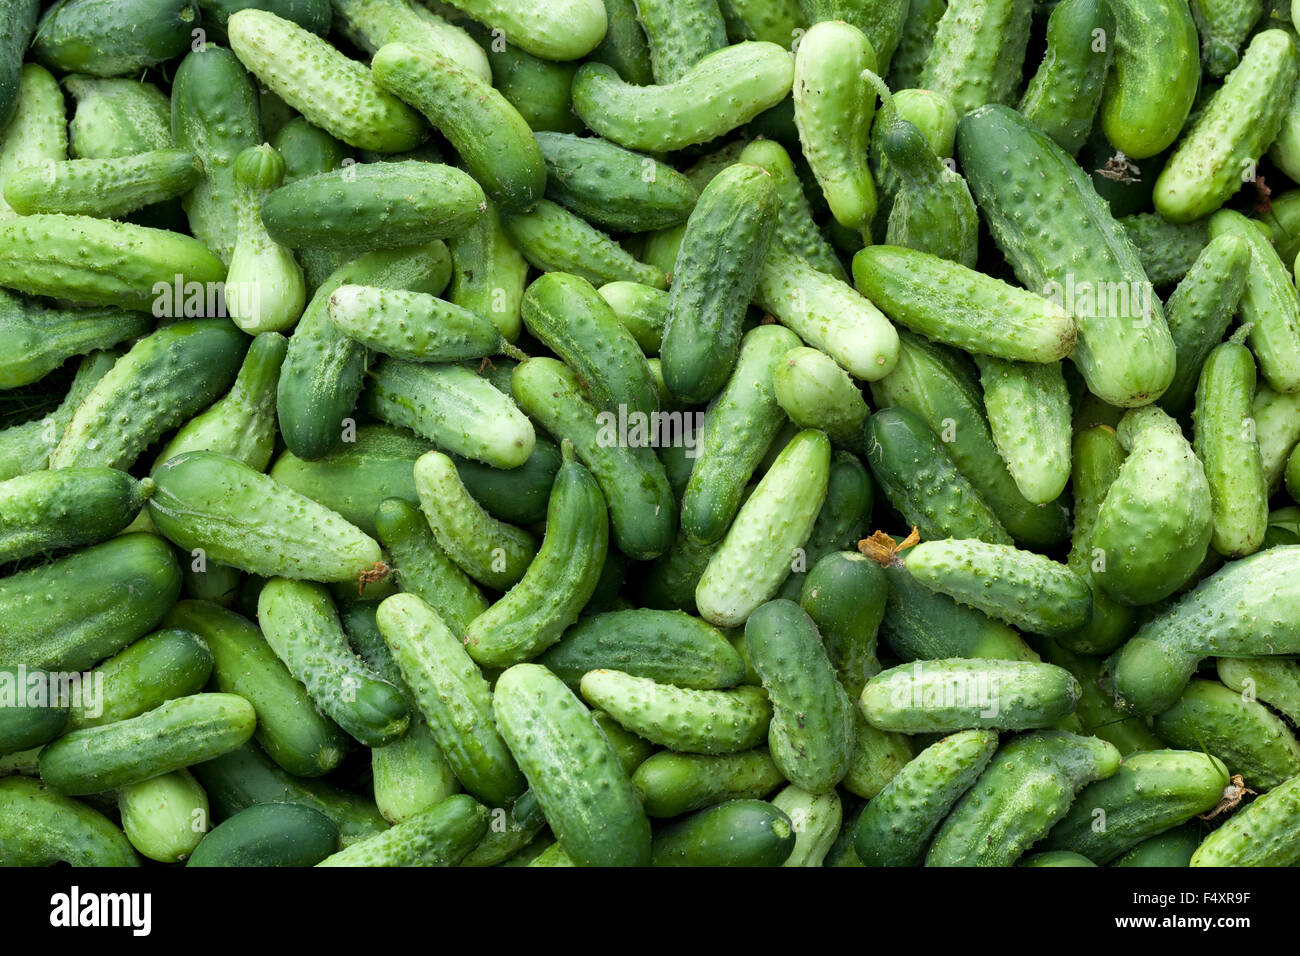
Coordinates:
[1155,523]
[412,325]
[567,30]
[1063,97]
[881,20]
[755,556]
[265,289]
[1224,26]
[1285,151]
[1096,711]
[1075,254]
[1055,858]
[19,22]
[915,40]
[572,768]
[1028,408]
[38,132]
[166,817]
[726,89]
[845,595]
[841,523]
[330,90]
[671,579]
[269,834]
[73,612]
[489,273]
[932,115]
[117,117]
[932,208]
[1172,848]
[640,309]
[811,734]
[897,824]
[113,37]
[294,734]
[943,696]
[735,833]
[1262,834]
[816,393]
[103,188]
[1167,249]
[180,732]
[978,52]
[1150,793]
[671,784]
[796,230]
[1274,680]
[441,836]
[559,581]
[1155,77]
[34,708]
[679,35]
[816,821]
[553,239]
[51,510]
[371,24]
[625,47]
[43,828]
[539,89]
[1277,426]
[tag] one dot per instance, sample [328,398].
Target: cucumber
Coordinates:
[933,116]
[441,836]
[1285,151]
[412,325]
[735,833]
[640,309]
[845,595]
[816,393]
[950,303]
[330,90]
[117,117]
[1223,27]
[726,89]
[1167,249]
[113,37]
[77,610]
[642,507]
[993,824]
[1055,858]
[1277,426]
[241,423]
[265,290]
[1155,524]
[668,647]
[796,230]
[19,22]
[454,408]
[538,89]
[166,817]
[215,115]
[103,188]
[897,824]
[612,187]
[679,35]
[918,477]
[42,828]
[1153,85]
[560,31]
[1065,92]
[916,38]
[1200,309]
[881,20]
[1274,680]
[943,696]
[585,794]
[811,733]
[1219,153]
[815,820]
[180,732]
[269,834]
[755,556]
[833,109]
[1028,407]
[1150,793]
[34,709]
[1261,834]
[489,273]
[38,132]
[51,510]
[1241,732]
[841,523]
[671,784]
[1171,848]
[553,239]
[372,24]
[978,51]
[294,734]
[559,581]
[1075,253]
[96,261]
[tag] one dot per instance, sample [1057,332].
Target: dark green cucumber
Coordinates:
[671,784]
[113,37]
[735,833]
[1167,249]
[34,708]
[1172,848]
[539,89]
[845,594]
[978,52]
[516,495]
[1064,94]
[1096,711]
[69,508]
[17,23]
[553,239]
[39,827]
[271,834]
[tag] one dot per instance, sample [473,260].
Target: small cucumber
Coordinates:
[841,523]
[567,30]
[1261,834]
[679,35]
[915,41]
[1096,711]
[441,836]
[539,89]
[113,37]
[640,309]
[166,817]
[735,833]
[33,708]
[1274,680]
[1167,249]
[1224,26]
[553,239]
[572,768]
[796,230]
[117,117]
[489,273]
[816,393]
[1063,97]
[51,510]
[1028,408]
[845,594]
[625,48]
[412,325]
[899,821]
[816,821]
[269,834]
[978,52]
[1172,848]
[38,132]
[1277,426]
[181,732]
[881,20]
[671,784]
[39,827]
[372,24]
[103,188]
[932,209]
[265,289]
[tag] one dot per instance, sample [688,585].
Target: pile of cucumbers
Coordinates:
[650,432]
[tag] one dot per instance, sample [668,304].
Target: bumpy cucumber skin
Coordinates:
[489,273]
[978,52]
[625,48]
[1150,793]
[1024,790]
[371,24]
[539,89]
[671,784]
[1124,350]
[244,519]
[440,836]
[684,720]
[584,792]
[1231,133]
[553,239]
[68,508]
[333,92]
[755,556]
[898,822]
[70,613]
[665,646]
[841,523]
[811,734]
[845,594]
[558,583]
[943,696]
[739,428]
[166,817]
[1243,733]
[269,834]
[1028,407]
[1261,834]
[932,209]
[882,21]
[113,37]
[1167,249]
[1156,74]
[918,477]
[38,131]
[641,503]
[679,35]
[41,827]
[492,139]
[1064,94]
[914,43]
[294,734]
[117,117]
[104,188]
[179,733]
[1200,309]
[640,309]
[736,833]
[566,30]
[1274,680]
[724,90]
[796,230]
[1277,426]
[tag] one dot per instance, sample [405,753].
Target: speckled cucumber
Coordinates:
[841,523]
[440,836]
[1274,680]
[1077,255]
[1224,26]
[929,112]
[978,52]
[735,833]
[1277,426]
[1261,834]
[816,393]
[553,239]
[265,290]
[489,273]
[1167,249]
[898,823]
[724,90]
[165,817]
[679,35]
[72,507]
[1065,92]
[103,188]
[796,230]
[1028,407]
[270,834]
[113,37]
[567,30]
[42,828]
[992,825]
[116,117]
[755,556]
[38,131]
[412,325]
[671,784]
[371,24]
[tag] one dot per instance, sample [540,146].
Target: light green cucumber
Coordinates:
[441,836]
[553,239]
[1028,408]
[489,273]
[1277,427]
[566,30]
[116,117]
[38,133]
[166,817]
[815,820]
[1274,680]
[103,188]
[51,510]
[412,325]
[978,52]
[371,24]
[796,230]
[1262,834]
[265,290]
[641,309]
[816,393]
